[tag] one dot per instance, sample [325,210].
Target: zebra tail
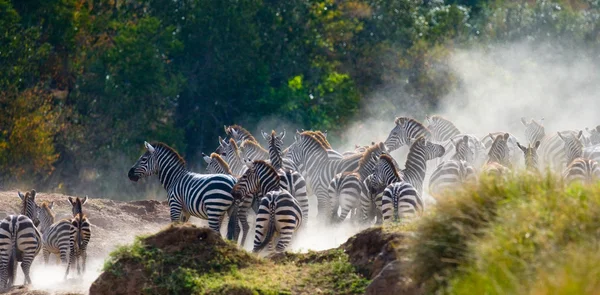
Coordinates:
[270,233]
[12,264]
[396,209]
[232,225]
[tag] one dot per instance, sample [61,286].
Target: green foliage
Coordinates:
[510,237]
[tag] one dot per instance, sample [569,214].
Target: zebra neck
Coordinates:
[414,170]
[171,174]
[44,225]
[276,160]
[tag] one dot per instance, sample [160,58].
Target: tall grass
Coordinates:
[525,235]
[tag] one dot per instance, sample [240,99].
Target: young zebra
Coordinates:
[578,168]
[405,129]
[401,201]
[188,193]
[454,172]
[551,150]
[531,156]
[20,241]
[28,206]
[82,232]
[348,188]
[498,162]
[57,237]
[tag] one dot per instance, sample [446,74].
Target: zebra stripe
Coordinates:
[239,133]
[401,201]
[441,128]
[313,161]
[20,241]
[594,137]
[57,237]
[498,158]
[513,155]
[28,206]
[275,148]
[405,129]
[80,233]
[415,168]
[279,213]
[231,152]
[582,170]
[188,193]
[551,151]
[531,156]
[216,164]
[384,174]
[572,146]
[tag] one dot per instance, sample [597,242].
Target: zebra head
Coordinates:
[216,164]
[146,165]
[530,154]
[573,146]
[534,131]
[441,128]
[594,135]
[463,150]
[429,149]
[28,206]
[77,204]
[385,171]
[405,128]
[499,152]
[259,177]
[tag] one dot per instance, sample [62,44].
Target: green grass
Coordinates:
[526,235]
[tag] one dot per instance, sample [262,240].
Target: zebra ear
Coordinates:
[265,135]
[598,128]
[226,130]
[85,199]
[149,147]
[222,142]
[206,158]
[71,201]
[452,141]
[524,121]
[506,136]
[282,134]
[234,133]
[579,134]
[536,145]
[560,135]
[521,147]
[325,133]
[20,194]
[32,193]
[51,205]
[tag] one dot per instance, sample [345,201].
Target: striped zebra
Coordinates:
[579,168]
[20,241]
[279,214]
[82,234]
[498,163]
[258,180]
[188,193]
[310,154]
[400,202]
[405,129]
[478,149]
[239,133]
[57,237]
[231,152]
[384,174]
[28,206]
[415,167]
[348,188]
[551,150]
[441,128]
[454,172]
[531,156]
[594,137]
[513,154]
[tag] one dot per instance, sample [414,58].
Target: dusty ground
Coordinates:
[113,223]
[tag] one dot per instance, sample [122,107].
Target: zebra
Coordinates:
[20,241]
[498,163]
[441,128]
[551,150]
[477,147]
[258,180]
[29,207]
[347,189]
[82,234]
[511,142]
[401,201]
[57,237]
[405,129]
[415,168]
[594,137]
[239,133]
[188,193]
[278,212]
[531,156]
[384,174]
[456,171]
[231,152]
[578,168]
[310,154]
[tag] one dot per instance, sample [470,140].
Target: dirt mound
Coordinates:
[152,264]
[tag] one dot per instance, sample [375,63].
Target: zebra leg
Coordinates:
[71,251]
[26,265]
[46,255]
[387,205]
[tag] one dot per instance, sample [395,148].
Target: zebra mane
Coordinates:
[169,149]
[402,120]
[239,129]
[253,143]
[79,206]
[317,136]
[234,147]
[222,163]
[390,162]
[26,201]
[443,119]
[367,154]
[269,167]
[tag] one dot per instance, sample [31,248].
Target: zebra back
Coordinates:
[441,128]
[462,150]
[499,150]
[534,130]
[21,241]
[253,150]
[531,156]
[405,129]
[582,170]
[278,212]
[216,164]
[401,201]
[572,145]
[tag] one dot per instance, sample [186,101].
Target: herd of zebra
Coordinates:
[365,185]
[22,236]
